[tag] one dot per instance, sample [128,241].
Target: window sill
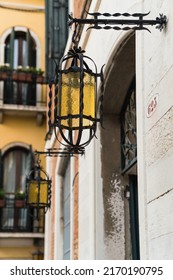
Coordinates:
[39,112]
[21,235]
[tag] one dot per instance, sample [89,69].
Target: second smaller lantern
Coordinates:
[38,188]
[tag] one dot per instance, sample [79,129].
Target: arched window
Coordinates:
[20,51]
[15,163]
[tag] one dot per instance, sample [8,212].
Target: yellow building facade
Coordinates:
[22,120]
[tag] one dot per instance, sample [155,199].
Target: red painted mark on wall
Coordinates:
[152,105]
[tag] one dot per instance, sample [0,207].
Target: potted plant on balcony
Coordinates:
[37,74]
[22,74]
[40,77]
[20,199]
[5,71]
[2,198]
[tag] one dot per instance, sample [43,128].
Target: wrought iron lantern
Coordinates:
[38,189]
[75,93]
[75,100]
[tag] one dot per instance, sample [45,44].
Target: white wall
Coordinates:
[92,242]
[154,71]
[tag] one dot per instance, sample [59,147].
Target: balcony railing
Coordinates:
[15,217]
[22,86]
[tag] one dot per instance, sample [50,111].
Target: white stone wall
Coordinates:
[87,204]
[155,151]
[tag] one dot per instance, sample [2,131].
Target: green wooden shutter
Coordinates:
[31,51]
[10,88]
[56,32]
[28,47]
[9,58]
[12,37]
[7,52]
[30,159]
[60,18]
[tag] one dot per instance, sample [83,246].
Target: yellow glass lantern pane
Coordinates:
[70,98]
[34,193]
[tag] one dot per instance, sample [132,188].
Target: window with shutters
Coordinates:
[20,51]
[15,164]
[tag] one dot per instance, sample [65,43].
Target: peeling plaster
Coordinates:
[114,233]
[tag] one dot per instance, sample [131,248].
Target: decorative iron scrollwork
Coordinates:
[61,152]
[133,21]
[128,131]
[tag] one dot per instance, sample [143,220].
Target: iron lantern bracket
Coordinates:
[61,152]
[127,21]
